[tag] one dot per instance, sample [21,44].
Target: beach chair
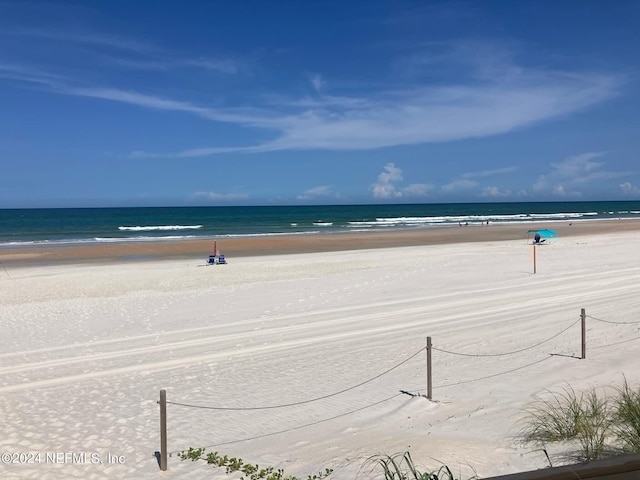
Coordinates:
[212,260]
[537,240]
[222,260]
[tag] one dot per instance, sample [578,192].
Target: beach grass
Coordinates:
[627,411]
[599,423]
[401,466]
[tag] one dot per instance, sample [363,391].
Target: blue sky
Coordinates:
[115,103]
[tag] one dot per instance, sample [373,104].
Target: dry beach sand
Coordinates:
[325,330]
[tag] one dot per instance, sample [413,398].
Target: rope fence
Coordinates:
[502,354]
[163,454]
[496,374]
[296,428]
[303,402]
[611,322]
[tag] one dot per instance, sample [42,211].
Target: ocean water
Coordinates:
[75,225]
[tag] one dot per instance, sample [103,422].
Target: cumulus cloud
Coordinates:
[559,191]
[629,189]
[495,192]
[467,181]
[388,186]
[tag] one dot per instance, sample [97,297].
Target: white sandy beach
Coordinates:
[85,350]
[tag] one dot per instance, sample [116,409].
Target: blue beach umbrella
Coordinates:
[539,238]
[540,235]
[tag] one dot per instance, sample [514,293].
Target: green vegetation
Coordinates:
[627,426]
[247,470]
[402,467]
[599,424]
[393,467]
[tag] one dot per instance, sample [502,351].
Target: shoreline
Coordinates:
[125,251]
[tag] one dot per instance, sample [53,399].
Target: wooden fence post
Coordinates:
[583,321]
[163,429]
[429,395]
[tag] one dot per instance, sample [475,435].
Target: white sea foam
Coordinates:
[143,238]
[440,220]
[160,227]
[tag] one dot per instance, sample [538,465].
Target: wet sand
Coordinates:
[283,244]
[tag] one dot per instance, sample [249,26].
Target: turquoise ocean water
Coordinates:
[77,225]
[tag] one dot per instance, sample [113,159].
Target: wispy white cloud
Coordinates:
[322,191]
[317,82]
[438,114]
[477,59]
[127,52]
[568,176]
[247,117]
[459,184]
[489,173]
[89,38]
[29,75]
[219,197]
[508,99]
[224,65]
[164,63]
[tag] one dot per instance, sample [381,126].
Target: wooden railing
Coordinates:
[626,467]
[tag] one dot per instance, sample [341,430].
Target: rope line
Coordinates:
[612,322]
[295,428]
[506,353]
[494,375]
[616,343]
[206,407]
